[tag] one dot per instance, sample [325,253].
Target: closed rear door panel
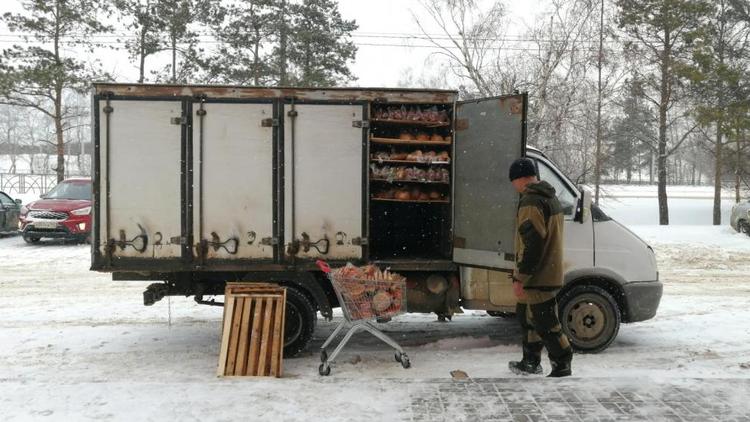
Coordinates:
[323,155]
[233,186]
[143,177]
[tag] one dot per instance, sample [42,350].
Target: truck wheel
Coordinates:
[299,324]
[590,318]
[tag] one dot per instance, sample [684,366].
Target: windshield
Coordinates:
[71,191]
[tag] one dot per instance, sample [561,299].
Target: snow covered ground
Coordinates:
[44,162]
[76,345]
[688,205]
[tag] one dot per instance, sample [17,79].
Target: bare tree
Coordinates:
[9,135]
[469,36]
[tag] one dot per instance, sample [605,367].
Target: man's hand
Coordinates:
[518,289]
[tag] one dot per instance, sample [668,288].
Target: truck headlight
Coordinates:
[82,211]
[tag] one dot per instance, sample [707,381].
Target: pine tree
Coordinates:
[319,49]
[632,133]
[38,74]
[716,75]
[664,31]
[145,23]
[178,20]
[243,31]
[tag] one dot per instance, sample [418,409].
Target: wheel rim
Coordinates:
[292,323]
[588,320]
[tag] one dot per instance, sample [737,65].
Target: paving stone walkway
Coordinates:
[539,399]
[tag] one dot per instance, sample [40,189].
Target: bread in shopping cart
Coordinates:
[368,292]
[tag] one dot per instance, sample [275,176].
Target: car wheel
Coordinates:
[744,227]
[300,319]
[31,239]
[590,318]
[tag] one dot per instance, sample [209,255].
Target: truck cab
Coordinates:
[610,273]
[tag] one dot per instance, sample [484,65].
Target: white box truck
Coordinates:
[195,186]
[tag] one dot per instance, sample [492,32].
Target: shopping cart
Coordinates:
[363,300]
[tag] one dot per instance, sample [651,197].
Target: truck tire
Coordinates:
[300,319]
[743,227]
[590,318]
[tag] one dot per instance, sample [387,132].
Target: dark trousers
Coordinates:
[541,328]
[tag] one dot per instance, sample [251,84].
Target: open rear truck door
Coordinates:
[490,134]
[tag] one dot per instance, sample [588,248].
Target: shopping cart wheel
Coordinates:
[323,355]
[404,359]
[324,369]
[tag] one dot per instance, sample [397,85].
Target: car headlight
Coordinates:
[82,211]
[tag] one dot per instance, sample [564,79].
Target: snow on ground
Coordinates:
[23,163]
[688,205]
[77,345]
[649,191]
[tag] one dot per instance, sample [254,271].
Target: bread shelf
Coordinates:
[430,201]
[410,162]
[423,182]
[420,123]
[393,141]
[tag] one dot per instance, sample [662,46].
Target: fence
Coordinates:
[27,183]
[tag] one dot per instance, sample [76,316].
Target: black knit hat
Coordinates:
[522,167]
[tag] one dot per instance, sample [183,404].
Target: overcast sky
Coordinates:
[386,49]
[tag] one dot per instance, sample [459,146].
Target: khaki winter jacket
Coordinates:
[539,238]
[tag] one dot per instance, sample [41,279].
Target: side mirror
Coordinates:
[584,203]
[18,202]
[43,196]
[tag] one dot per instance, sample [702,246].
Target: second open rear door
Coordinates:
[490,134]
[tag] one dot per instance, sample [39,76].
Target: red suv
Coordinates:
[64,212]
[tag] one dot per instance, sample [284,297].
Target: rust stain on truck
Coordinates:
[377,95]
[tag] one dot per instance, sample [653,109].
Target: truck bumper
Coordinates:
[642,299]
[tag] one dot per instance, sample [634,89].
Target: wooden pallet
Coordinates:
[252,340]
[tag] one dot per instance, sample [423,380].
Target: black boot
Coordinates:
[531,362]
[525,367]
[561,367]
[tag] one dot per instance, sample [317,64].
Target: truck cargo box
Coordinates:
[214,178]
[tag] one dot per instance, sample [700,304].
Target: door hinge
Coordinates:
[360,241]
[178,240]
[363,124]
[269,241]
[182,120]
[269,122]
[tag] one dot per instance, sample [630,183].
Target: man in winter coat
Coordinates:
[539,272]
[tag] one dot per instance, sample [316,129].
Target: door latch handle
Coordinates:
[322,245]
[230,245]
[139,243]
